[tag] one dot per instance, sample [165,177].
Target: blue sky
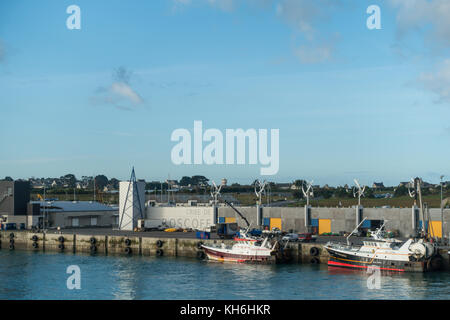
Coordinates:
[349,102]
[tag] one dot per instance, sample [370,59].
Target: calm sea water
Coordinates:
[28,275]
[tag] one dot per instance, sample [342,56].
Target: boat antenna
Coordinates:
[348,242]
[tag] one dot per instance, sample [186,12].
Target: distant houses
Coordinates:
[424,185]
[173,184]
[378,186]
[283,186]
[190,184]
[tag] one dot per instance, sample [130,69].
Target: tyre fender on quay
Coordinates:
[314,260]
[314,251]
[200,255]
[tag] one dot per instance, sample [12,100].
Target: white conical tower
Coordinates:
[131,202]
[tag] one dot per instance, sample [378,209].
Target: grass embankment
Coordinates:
[433,201]
[249,199]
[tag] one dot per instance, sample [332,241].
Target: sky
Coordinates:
[349,102]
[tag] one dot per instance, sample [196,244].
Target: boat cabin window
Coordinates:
[372,244]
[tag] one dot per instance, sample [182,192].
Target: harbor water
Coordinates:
[37,275]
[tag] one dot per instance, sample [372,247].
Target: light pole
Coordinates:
[442,212]
[43,219]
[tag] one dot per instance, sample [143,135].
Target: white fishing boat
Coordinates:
[387,254]
[247,249]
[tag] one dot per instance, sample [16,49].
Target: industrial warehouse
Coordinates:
[259,234]
[16,210]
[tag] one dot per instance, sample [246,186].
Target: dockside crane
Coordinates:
[237,211]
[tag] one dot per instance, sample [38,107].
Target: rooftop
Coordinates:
[74,206]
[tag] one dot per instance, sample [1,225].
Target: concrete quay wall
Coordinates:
[313,253]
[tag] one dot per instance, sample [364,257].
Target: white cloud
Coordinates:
[438,82]
[126,91]
[414,15]
[120,94]
[314,54]
[428,20]
[225,5]
[300,14]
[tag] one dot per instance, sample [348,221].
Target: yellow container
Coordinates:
[324,226]
[275,223]
[435,229]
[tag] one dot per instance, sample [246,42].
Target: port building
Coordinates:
[16,207]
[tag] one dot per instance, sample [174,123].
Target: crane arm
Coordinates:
[240,214]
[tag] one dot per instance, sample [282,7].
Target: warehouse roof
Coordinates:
[74,206]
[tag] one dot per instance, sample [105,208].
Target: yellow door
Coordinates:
[435,229]
[324,226]
[275,223]
[230,220]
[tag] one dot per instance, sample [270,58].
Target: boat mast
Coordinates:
[378,233]
[417,185]
[354,230]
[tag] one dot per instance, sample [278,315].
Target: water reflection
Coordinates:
[396,285]
[27,275]
[237,278]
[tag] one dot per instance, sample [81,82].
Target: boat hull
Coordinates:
[339,259]
[219,255]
